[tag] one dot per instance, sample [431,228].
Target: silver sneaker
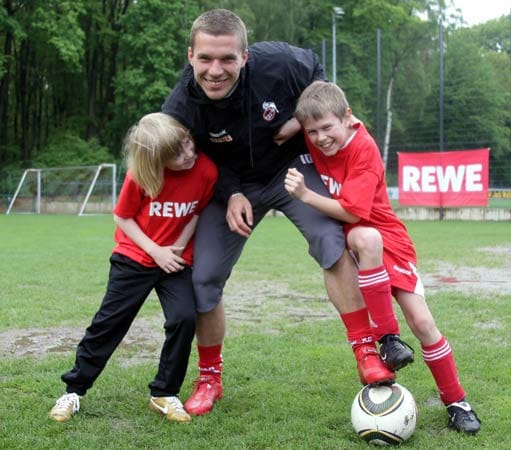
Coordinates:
[65,407]
[170,407]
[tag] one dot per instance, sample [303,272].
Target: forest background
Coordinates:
[75,74]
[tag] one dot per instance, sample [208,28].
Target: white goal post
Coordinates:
[81,190]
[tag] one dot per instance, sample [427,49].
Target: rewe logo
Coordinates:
[453,178]
[332,185]
[461,178]
[172,209]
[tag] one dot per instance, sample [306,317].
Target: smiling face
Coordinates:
[329,134]
[186,158]
[217,62]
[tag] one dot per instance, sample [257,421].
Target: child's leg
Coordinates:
[128,287]
[177,300]
[436,350]
[438,356]
[366,245]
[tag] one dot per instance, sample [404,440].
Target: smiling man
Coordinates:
[238,102]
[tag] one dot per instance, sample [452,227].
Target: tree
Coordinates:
[152,53]
[43,43]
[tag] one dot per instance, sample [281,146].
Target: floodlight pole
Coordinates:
[337,11]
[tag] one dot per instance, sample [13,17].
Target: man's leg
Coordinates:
[210,333]
[342,285]
[211,326]
[341,282]
[216,251]
[327,246]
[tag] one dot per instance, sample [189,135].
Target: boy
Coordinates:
[349,162]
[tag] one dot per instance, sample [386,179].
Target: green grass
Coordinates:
[289,377]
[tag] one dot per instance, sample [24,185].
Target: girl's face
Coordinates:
[186,159]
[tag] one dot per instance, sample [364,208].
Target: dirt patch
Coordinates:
[254,306]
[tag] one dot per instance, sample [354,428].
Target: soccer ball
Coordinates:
[384,415]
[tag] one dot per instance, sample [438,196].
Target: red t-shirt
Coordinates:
[355,176]
[185,193]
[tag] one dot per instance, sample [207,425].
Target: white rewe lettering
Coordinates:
[183,209]
[172,209]
[461,178]
[475,178]
[155,209]
[332,185]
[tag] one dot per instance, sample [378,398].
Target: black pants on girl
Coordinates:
[128,287]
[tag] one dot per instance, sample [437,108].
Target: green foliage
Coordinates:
[152,50]
[105,63]
[56,24]
[67,149]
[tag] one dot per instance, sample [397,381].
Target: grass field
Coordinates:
[289,375]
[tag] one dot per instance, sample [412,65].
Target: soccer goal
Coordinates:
[82,190]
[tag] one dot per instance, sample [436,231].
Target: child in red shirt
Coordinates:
[349,162]
[166,187]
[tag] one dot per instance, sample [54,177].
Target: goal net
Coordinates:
[81,190]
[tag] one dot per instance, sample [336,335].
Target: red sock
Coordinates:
[440,361]
[358,328]
[210,361]
[375,287]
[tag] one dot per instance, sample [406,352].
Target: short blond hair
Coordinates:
[321,98]
[149,146]
[219,22]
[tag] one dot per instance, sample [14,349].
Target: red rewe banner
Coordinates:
[453,178]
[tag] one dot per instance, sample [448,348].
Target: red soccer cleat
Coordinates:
[207,390]
[371,369]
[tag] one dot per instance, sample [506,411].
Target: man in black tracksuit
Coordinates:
[238,103]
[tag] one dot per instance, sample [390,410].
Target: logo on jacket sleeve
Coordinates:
[220,136]
[269,111]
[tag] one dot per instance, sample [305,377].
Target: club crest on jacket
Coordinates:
[269,111]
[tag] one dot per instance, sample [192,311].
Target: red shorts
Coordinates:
[403,273]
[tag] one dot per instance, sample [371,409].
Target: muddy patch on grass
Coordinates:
[256,306]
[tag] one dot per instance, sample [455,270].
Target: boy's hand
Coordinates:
[168,258]
[295,184]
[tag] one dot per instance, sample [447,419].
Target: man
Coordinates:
[239,105]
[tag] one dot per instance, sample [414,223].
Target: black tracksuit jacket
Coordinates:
[237,131]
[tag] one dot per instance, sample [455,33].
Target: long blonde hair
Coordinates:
[149,145]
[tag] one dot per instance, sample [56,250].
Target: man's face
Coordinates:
[217,62]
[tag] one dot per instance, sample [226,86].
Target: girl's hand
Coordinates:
[168,258]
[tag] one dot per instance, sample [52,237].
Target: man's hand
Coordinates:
[287,131]
[168,258]
[239,215]
[295,184]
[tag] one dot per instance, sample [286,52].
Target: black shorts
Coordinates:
[217,249]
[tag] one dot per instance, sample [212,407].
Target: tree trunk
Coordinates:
[4,89]
[388,127]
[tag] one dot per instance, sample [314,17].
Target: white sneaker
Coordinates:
[170,407]
[65,407]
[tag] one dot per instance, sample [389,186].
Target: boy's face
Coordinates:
[329,134]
